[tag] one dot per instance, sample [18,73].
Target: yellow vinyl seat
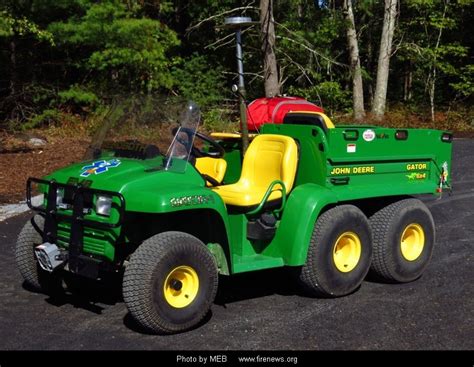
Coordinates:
[213,167]
[268,158]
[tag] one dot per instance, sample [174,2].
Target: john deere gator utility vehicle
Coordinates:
[329,202]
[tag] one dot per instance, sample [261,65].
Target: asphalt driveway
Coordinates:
[264,310]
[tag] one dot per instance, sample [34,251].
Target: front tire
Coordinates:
[170,282]
[404,237]
[339,253]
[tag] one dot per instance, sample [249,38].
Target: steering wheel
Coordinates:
[196,152]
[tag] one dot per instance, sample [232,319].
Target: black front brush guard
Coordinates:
[78,263]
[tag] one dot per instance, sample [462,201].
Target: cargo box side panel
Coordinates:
[373,161]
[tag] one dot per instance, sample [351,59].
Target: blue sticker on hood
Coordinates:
[99,167]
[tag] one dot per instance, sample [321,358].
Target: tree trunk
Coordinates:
[370,68]
[357,86]
[408,81]
[431,92]
[432,75]
[380,97]
[13,74]
[300,10]
[270,68]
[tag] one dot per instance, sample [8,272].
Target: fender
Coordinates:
[296,227]
[180,198]
[168,198]
[176,198]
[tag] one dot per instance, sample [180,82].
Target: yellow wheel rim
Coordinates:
[347,251]
[181,286]
[412,241]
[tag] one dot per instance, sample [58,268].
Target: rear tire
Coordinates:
[170,282]
[404,237]
[339,253]
[35,278]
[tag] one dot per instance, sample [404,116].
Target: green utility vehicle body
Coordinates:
[171,229]
[339,166]
[336,166]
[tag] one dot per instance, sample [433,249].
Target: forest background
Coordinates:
[65,63]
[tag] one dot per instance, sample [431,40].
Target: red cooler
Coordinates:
[273,110]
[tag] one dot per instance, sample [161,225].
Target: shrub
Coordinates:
[328,95]
[78,98]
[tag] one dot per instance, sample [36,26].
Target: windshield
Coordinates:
[147,129]
[181,146]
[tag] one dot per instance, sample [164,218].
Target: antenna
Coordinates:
[236,24]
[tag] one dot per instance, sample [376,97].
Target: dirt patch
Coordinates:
[15,168]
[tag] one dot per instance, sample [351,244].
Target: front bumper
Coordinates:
[77,262]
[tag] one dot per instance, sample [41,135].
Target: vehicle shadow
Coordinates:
[94,296]
[256,284]
[237,288]
[134,326]
[86,294]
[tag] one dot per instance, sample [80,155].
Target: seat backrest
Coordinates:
[268,158]
[214,167]
[309,118]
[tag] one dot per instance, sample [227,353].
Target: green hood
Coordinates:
[143,183]
[117,173]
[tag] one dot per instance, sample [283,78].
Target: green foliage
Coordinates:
[10,26]
[120,46]
[78,97]
[465,86]
[46,118]
[196,80]
[306,44]
[328,95]
[6,24]
[76,56]
[220,119]
[431,44]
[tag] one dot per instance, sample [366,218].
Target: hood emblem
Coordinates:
[99,167]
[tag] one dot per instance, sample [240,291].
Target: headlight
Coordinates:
[103,205]
[59,197]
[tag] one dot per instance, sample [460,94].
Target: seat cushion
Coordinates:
[214,167]
[239,194]
[268,158]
